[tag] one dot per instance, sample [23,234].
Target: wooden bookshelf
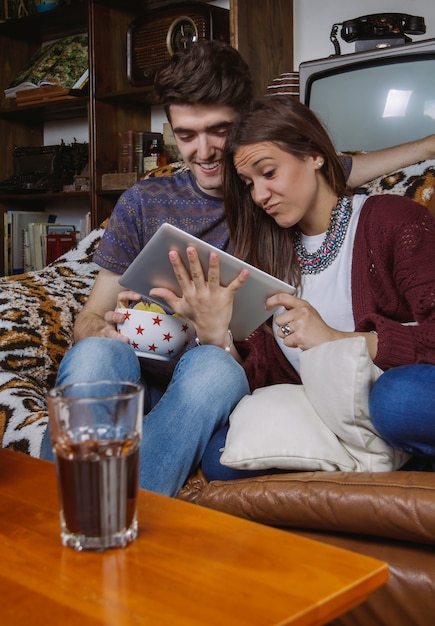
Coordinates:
[262,32]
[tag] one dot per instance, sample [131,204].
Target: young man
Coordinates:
[203,92]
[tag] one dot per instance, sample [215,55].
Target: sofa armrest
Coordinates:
[397,505]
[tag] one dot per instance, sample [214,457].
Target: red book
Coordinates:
[58,244]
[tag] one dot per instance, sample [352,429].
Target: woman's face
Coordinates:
[285,187]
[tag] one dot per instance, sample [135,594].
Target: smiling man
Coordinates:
[202,91]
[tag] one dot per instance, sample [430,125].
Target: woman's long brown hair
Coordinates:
[256,237]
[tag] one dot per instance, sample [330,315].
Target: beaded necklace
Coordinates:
[316,262]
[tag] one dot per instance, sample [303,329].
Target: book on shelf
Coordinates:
[48,241]
[33,239]
[16,238]
[132,145]
[58,243]
[138,148]
[36,242]
[62,63]
[126,148]
[85,225]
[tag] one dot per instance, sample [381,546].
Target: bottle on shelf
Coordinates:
[154,156]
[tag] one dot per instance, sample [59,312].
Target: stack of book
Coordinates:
[34,239]
[132,148]
[132,159]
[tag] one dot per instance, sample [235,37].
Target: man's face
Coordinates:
[200,131]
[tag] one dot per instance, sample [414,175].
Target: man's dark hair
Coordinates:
[209,72]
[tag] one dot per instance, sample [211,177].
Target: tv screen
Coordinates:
[373,99]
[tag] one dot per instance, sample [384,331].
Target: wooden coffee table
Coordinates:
[189,566]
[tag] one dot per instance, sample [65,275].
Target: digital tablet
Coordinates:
[152,268]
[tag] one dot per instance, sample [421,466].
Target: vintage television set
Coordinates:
[373,99]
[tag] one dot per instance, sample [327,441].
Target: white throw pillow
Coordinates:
[323,424]
[276,427]
[338,377]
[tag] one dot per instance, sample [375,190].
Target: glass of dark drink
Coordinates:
[96,429]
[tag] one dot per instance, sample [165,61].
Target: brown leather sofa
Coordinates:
[390,516]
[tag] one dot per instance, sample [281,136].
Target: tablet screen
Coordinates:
[152,268]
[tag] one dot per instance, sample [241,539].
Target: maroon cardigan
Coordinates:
[393,281]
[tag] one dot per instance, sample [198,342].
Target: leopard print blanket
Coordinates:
[37,312]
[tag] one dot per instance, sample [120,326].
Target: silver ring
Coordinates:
[286,330]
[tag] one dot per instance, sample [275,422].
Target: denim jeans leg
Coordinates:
[206,385]
[402,408]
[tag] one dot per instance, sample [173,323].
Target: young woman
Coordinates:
[362,265]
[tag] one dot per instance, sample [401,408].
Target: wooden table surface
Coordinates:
[189,566]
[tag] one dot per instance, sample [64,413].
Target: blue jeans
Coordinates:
[402,407]
[206,385]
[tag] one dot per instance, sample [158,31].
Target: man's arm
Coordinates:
[366,167]
[97,318]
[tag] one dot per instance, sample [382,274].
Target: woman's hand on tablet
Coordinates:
[205,302]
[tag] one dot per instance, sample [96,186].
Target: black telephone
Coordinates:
[386,29]
[381,25]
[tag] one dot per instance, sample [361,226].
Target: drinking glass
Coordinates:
[96,429]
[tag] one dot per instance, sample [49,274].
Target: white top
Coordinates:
[330,291]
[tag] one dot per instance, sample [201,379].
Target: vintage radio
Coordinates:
[155,36]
